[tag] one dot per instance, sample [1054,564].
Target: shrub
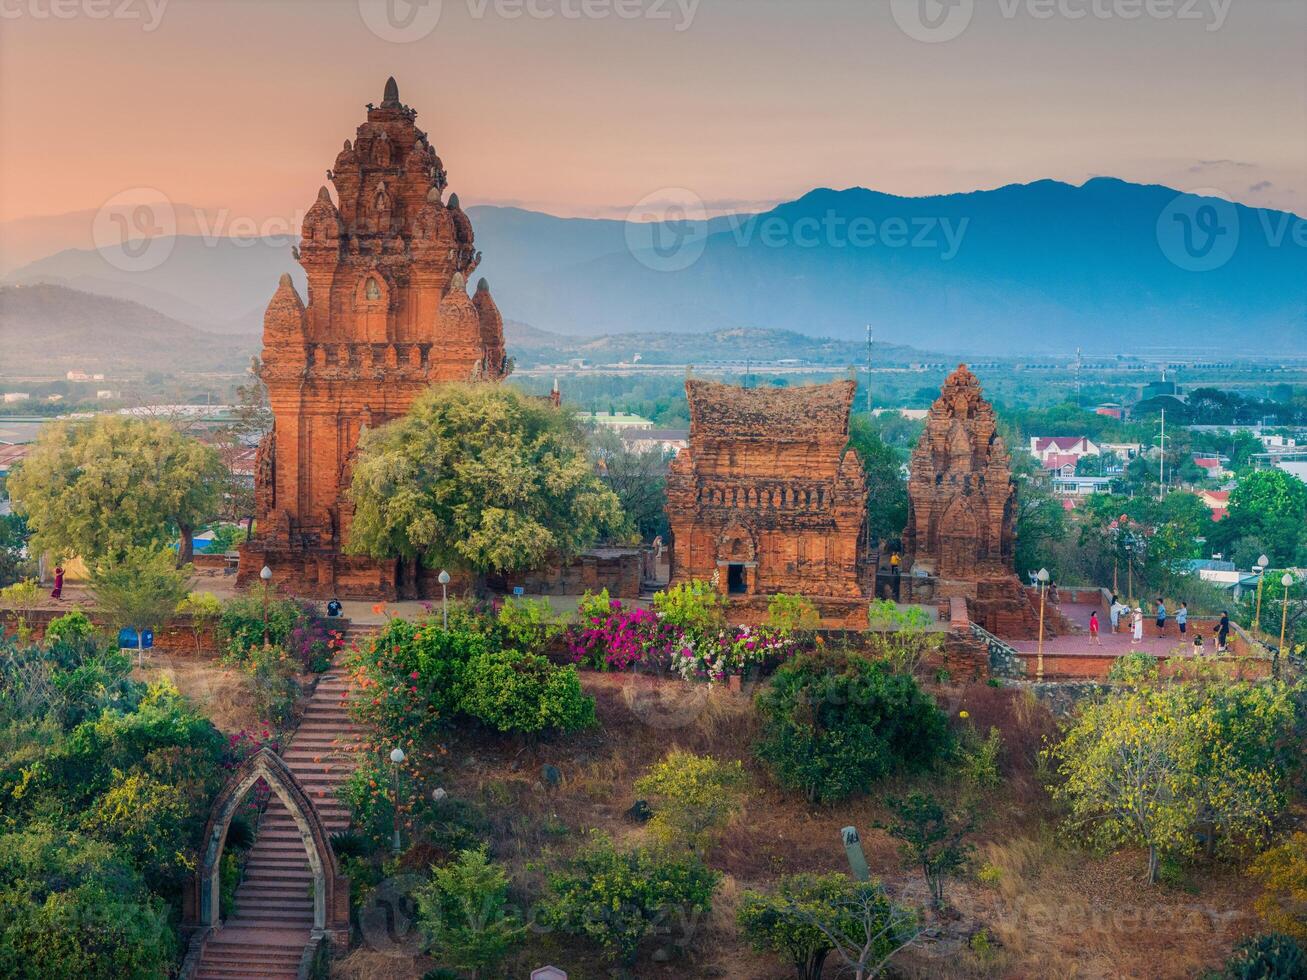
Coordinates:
[810,916]
[524,693]
[148,820]
[616,899]
[368,791]
[792,615]
[798,919]
[409,676]
[205,610]
[1134,668]
[695,608]
[901,635]
[240,629]
[977,758]
[1282,872]
[832,725]
[71,627]
[930,838]
[731,653]
[273,680]
[529,625]
[463,912]
[616,638]
[1270,957]
[695,797]
[71,907]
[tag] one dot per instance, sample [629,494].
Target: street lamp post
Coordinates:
[1262,562]
[1043,589]
[1280,651]
[443,579]
[266,576]
[396,757]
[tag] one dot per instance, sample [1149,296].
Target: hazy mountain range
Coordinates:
[1042,267]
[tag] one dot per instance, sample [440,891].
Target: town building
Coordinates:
[768,497]
[388,263]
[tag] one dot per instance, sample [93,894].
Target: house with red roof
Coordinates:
[1217,501]
[1043,447]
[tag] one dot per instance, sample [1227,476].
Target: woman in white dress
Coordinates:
[1138,624]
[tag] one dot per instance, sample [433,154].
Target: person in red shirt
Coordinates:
[1093,628]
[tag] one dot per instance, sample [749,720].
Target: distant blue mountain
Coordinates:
[1046,267]
[1041,267]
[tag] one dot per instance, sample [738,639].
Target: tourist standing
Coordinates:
[1114,612]
[58,591]
[1198,645]
[1161,616]
[1094,638]
[1223,632]
[1137,631]
[1182,617]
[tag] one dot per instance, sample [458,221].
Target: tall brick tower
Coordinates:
[388,315]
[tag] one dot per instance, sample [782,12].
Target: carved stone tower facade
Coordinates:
[962,509]
[388,315]
[768,497]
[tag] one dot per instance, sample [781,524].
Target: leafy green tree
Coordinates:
[98,489]
[618,898]
[809,916]
[140,591]
[833,724]
[479,477]
[204,609]
[887,487]
[695,607]
[463,912]
[1040,518]
[695,797]
[1270,505]
[1155,765]
[930,838]
[639,479]
[13,547]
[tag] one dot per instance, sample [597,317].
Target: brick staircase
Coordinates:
[274,906]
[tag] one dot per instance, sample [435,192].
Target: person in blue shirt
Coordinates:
[1182,617]
[1161,616]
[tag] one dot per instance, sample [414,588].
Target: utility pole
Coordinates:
[1161,463]
[869,369]
[1078,364]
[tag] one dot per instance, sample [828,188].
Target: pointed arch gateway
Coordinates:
[330,888]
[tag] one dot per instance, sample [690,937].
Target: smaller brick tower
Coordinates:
[962,509]
[768,496]
[388,315]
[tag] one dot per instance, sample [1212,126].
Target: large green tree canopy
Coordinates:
[97,489]
[479,477]
[1269,506]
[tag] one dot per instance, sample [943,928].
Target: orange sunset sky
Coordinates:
[242,105]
